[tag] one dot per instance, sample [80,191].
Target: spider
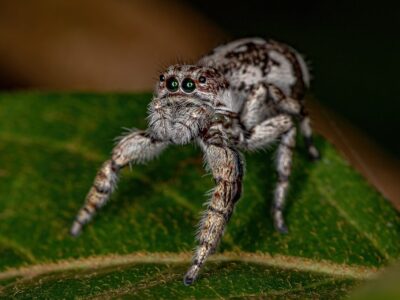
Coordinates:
[244,95]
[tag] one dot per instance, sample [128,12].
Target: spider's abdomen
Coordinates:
[248,62]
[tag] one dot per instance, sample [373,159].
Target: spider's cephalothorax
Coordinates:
[242,96]
[184,102]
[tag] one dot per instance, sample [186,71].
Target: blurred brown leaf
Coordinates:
[97,45]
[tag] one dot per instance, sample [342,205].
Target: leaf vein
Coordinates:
[279,261]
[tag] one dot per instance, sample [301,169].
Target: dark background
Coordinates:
[353,49]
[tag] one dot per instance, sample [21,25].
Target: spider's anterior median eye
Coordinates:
[172,84]
[188,85]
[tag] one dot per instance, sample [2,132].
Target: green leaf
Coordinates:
[51,145]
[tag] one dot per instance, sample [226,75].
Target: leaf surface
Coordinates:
[51,145]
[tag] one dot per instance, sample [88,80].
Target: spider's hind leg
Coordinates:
[306,131]
[283,168]
[280,126]
[295,108]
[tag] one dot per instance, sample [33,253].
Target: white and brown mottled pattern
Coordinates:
[242,96]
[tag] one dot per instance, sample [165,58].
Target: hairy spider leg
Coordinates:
[227,169]
[134,147]
[306,131]
[262,135]
[283,167]
[296,108]
[255,108]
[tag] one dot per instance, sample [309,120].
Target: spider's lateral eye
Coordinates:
[162,77]
[172,84]
[188,85]
[202,79]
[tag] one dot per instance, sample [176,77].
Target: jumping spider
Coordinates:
[242,96]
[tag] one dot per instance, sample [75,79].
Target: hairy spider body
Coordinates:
[242,96]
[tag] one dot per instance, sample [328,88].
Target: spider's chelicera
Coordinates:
[242,96]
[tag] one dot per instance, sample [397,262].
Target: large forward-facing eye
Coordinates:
[172,84]
[188,85]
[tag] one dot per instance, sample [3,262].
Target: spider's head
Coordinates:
[184,101]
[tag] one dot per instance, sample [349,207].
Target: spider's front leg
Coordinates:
[137,146]
[227,169]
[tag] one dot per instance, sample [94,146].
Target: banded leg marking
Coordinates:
[268,131]
[104,184]
[136,146]
[283,167]
[285,104]
[227,170]
[306,131]
[296,108]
